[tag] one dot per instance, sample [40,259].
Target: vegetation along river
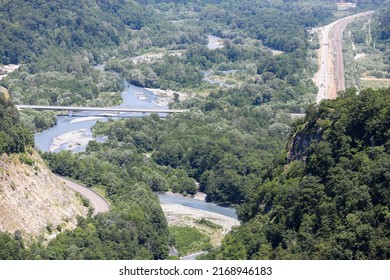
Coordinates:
[65,134]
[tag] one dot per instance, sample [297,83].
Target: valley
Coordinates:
[226,109]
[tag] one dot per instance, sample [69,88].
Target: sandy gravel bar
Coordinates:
[177,214]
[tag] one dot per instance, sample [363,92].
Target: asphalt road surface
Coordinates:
[330,76]
[97,202]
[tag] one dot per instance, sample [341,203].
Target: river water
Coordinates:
[134,97]
[197,204]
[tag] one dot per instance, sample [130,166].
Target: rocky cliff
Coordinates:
[32,199]
[313,128]
[300,142]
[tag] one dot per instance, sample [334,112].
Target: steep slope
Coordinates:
[32,199]
[332,198]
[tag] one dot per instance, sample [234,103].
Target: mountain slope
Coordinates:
[32,199]
[332,199]
[32,28]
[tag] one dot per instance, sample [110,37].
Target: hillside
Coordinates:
[32,28]
[32,200]
[331,199]
[327,199]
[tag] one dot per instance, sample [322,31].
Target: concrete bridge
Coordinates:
[101,109]
[71,109]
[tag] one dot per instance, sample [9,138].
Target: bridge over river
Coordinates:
[99,109]
[71,109]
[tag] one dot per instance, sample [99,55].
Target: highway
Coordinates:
[94,109]
[330,75]
[97,202]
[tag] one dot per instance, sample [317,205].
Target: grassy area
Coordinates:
[365,65]
[351,72]
[209,224]
[188,240]
[375,83]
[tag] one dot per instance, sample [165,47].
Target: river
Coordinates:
[197,204]
[135,97]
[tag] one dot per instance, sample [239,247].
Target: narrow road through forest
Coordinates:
[97,202]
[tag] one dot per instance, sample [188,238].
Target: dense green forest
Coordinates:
[327,199]
[31,28]
[58,43]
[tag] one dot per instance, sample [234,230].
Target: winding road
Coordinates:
[97,202]
[330,75]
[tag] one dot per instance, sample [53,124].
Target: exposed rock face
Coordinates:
[31,197]
[299,142]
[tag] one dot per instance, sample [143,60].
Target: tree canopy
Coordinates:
[14,136]
[333,202]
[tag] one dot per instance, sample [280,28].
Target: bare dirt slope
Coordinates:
[33,199]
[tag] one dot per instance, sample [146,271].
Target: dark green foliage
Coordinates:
[11,247]
[274,28]
[332,204]
[14,137]
[108,236]
[384,25]
[29,28]
[226,152]
[38,120]
[335,203]
[62,81]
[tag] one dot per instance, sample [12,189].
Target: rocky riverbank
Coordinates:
[73,140]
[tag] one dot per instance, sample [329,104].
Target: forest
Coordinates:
[328,199]
[312,188]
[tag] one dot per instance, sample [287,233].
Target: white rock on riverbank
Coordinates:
[71,140]
[7,69]
[164,97]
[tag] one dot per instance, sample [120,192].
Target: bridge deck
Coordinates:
[102,109]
